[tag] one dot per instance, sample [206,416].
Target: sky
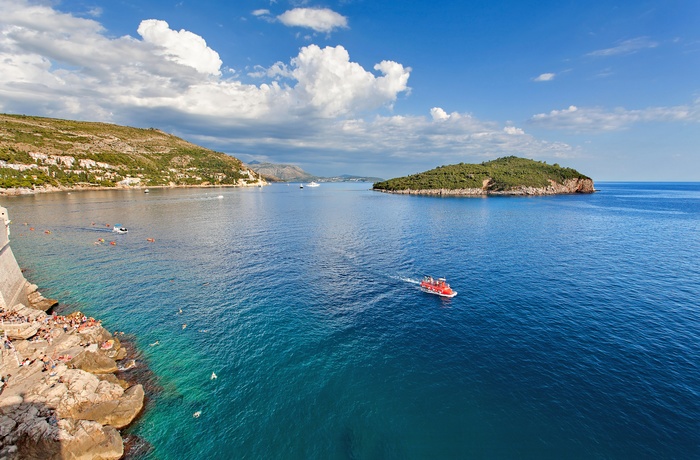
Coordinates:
[377,88]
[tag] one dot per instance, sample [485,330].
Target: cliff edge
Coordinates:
[59,396]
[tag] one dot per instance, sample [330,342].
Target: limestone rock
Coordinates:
[117,413]
[74,439]
[117,355]
[20,331]
[94,362]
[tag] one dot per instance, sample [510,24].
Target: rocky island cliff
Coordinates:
[59,395]
[504,176]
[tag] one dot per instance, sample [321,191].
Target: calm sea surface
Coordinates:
[575,334]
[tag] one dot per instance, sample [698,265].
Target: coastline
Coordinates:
[574,186]
[60,396]
[80,188]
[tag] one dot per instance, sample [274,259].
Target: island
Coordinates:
[61,395]
[504,176]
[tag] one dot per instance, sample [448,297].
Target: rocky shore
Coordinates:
[60,397]
[568,187]
[77,188]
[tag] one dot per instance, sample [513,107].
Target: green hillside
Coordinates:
[498,175]
[36,151]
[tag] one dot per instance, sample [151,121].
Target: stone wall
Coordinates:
[12,282]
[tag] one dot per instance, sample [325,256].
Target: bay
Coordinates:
[575,333]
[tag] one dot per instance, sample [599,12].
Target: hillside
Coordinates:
[282,172]
[48,152]
[505,176]
[293,173]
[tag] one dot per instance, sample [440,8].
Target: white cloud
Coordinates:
[334,86]
[513,130]
[597,119]
[72,60]
[182,47]
[626,47]
[261,12]
[313,105]
[438,114]
[545,77]
[318,19]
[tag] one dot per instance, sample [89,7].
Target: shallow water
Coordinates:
[575,333]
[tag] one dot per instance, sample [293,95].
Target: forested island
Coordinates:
[38,153]
[504,176]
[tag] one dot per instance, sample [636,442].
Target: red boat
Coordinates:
[437,286]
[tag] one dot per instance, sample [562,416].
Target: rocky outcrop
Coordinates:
[570,186]
[55,402]
[38,301]
[59,398]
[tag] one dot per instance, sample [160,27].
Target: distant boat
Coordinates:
[146,191]
[301,185]
[437,286]
[312,184]
[119,229]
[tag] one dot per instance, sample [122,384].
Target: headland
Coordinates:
[60,396]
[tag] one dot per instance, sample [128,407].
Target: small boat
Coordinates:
[301,185]
[146,191]
[313,184]
[119,229]
[437,286]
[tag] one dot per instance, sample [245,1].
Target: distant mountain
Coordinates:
[292,173]
[504,176]
[50,153]
[281,172]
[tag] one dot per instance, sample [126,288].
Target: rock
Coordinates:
[96,363]
[74,439]
[10,403]
[117,413]
[6,425]
[95,334]
[45,304]
[20,331]
[118,355]
[111,378]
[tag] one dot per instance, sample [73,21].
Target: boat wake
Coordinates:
[410,280]
[404,279]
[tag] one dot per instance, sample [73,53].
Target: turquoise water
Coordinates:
[575,334]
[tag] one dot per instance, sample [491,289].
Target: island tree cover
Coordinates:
[37,151]
[497,175]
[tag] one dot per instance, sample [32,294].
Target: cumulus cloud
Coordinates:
[626,47]
[335,86]
[545,77]
[261,12]
[182,46]
[318,103]
[408,143]
[318,19]
[72,59]
[597,119]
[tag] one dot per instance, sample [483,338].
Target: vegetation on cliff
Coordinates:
[502,174]
[36,151]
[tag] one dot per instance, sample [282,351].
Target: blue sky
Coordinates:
[371,87]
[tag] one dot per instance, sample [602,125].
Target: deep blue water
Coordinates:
[575,334]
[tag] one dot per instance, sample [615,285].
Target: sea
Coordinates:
[288,323]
